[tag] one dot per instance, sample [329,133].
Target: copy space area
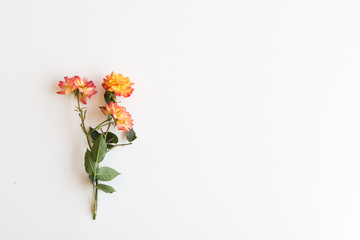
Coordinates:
[247,115]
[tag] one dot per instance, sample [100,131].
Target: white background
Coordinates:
[247,115]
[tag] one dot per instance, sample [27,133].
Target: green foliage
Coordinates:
[106,174]
[105,188]
[91,177]
[131,136]
[94,157]
[99,149]
[90,164]
[109,97]
[111,138]
[94,134]
[99,145]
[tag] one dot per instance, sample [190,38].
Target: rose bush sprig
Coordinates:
[101,141]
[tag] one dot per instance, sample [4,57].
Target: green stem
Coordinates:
[95,190]
[107,130]
[94,183]
[82,117]
[100,126]
[118,145]
[96,197]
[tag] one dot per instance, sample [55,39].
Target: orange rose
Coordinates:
[121,117]
[120,85]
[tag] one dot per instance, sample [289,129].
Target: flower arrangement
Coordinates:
[100,141]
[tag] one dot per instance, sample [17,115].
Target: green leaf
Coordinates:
[90,165]
[131,136]
[91,177]
[105,188]
[111,138]
[94,134]
[109,97]
[106,174]
[99,149]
